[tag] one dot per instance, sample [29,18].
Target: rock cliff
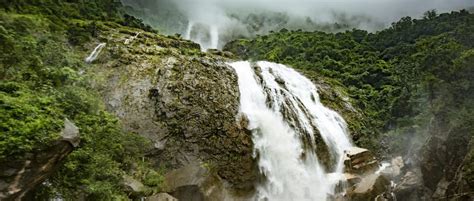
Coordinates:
[184,100]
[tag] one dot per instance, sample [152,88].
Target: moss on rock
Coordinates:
[184,100]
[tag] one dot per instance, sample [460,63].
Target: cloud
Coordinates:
[386,10]
[230,18]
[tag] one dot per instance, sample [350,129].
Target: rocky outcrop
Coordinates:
[19,176]
[364,179]
[161,197]
[182,99]
[370,187]
[197,182]
[360,161]
[400,181]
[442,169]
[133,187]
[409,187]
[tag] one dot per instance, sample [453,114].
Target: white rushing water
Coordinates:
[95,53]
[267,99]
[131,39]
[204,34]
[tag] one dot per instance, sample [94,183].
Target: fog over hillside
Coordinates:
[213,22]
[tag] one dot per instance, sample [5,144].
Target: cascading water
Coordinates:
[204,34]
[214,36]
[131,39]
[282,106]
[95,53]
[187,34]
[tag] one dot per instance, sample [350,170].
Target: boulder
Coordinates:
[410,186]
[133,186]
[161,197]
[441,189]
[364,179]
[369,188]
[197,182]
[360,161]
[17,177]
[352,179]
[396,166]
[70,133]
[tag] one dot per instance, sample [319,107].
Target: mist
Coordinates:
[212,23]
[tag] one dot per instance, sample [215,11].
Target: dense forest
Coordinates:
[413,81]
[404,79]
[400,77]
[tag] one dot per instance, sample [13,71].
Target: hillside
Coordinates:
[97,105]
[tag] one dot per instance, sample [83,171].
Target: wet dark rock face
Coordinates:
[185,101]
[442,169]
[198,102]
[445,160]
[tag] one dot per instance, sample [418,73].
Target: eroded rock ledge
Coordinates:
[19,176]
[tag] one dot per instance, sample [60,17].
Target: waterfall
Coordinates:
[205,34]
[132,38]
[187,34]
[95,53]
[282,107]
[214,34]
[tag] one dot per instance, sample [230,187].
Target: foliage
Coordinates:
[59,11]
[105,155]
[96,10]
[34,70]
[40,86]
[29,121]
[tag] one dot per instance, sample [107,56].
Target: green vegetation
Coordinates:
[399,77]
[60,11]
[107,155]
[41,85]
